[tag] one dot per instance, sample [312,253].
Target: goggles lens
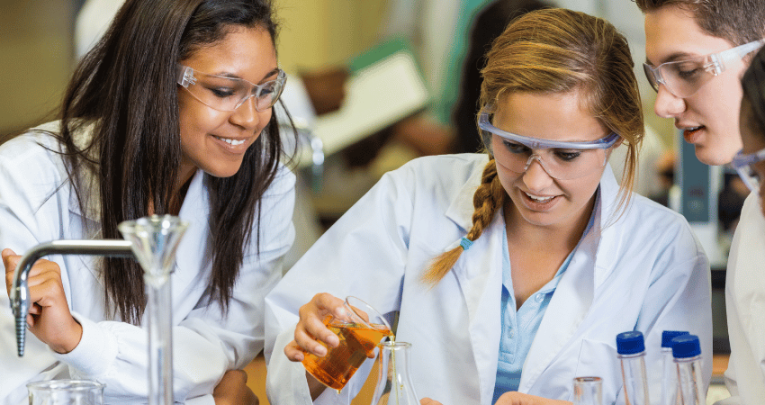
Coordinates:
[684,78]
[228,93]
[744,167]
[561,160]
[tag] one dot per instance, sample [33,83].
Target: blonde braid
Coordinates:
[488,198]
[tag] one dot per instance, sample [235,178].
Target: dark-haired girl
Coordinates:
[170,113]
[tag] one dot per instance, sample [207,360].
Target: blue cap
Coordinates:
[668,335]
[686,346]
[630,343]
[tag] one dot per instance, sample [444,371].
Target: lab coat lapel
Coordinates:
[479,275]
[576,290]
[193,250]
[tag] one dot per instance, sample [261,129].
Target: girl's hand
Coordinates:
[311,327]
[517,398]
[428,401]
[49,318]
[233,390]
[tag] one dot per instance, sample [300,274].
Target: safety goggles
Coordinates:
[685,77]
[561,160]
[224,93]
[743,165]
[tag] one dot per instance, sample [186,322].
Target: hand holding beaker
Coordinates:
[356,329]
[311,329]
[49,318]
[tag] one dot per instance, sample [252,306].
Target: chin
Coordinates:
[223,172]
[713,156]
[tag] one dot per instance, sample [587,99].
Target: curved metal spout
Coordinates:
[20,290]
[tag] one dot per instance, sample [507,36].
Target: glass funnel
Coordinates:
[394,386]
[155,240]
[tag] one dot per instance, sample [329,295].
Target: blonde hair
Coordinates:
[556,51]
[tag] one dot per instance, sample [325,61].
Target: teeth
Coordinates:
[539,199]
[233,142]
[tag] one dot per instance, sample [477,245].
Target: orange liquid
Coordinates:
[357,343]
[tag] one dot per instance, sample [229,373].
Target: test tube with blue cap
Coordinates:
[669,392]
[630,348]
[686,350]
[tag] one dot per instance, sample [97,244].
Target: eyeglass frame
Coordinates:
[538,143]
[741,161]
[715,67]
[186,77]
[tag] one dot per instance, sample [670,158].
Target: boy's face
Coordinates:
[708,118]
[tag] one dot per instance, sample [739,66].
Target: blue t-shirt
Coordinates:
[520,327]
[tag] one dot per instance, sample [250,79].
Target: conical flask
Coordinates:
[155,240]
[394,386]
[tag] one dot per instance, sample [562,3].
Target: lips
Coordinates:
[692,134]
[538,203]
[230,141]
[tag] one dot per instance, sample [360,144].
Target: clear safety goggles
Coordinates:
[561,160]
[684,78]
[224,93]
[743,165]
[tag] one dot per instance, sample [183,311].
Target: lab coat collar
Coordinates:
[88,175]
[193,251]
[479,274]
[461,209]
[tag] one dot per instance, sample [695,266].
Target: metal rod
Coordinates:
[20,290]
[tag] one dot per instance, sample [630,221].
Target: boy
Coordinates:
[684,38]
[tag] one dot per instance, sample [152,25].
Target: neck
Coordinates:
[564,236]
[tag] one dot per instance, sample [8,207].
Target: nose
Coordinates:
[536,177]
[667,105]
[246,115]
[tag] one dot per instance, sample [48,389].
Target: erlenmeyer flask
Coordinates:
[394,386]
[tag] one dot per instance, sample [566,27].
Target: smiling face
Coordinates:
[216,141]
[708,118]
[537,198]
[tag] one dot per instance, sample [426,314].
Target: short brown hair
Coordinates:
[738,21]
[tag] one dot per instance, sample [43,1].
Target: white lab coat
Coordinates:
[206,344]
[644,272]
[745,307]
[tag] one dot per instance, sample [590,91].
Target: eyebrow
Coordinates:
[674,57]
[233,76]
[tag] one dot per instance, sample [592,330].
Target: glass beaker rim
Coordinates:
[71,385]
[369,307]
[395,345]
[588,379]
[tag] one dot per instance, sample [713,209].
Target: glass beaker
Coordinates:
[359,336]
[588,391]
[394,386]
[66,392]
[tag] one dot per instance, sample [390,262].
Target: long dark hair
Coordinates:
[125,91]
